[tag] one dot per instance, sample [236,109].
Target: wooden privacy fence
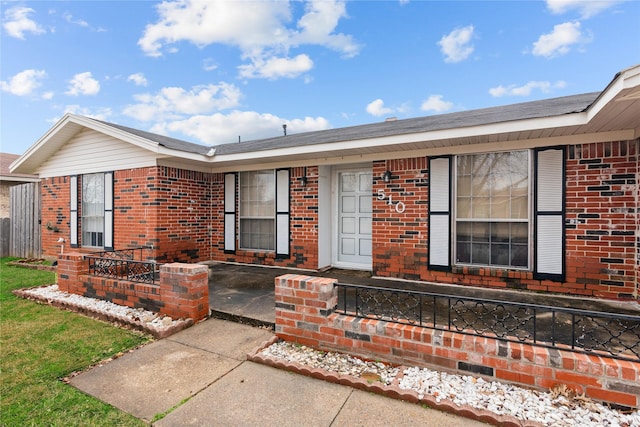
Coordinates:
[24,229]
[5,232]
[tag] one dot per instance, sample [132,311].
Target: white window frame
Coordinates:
[529,220]
[271,217]
[84,219]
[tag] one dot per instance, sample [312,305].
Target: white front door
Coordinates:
[354,191]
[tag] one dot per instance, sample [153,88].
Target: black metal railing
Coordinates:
[609,334]
[122,264]
[127,254]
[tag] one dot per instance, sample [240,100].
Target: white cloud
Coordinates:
[318,23]
[436,104]
[559,41]
[261,30]
[526,89]
[176,102]
[83,84]
[17,22]
[209,64]
[81,22]
[456,46]
[47,95]
[244,24]
[101,113]
[274,68]
[248,125]
[586,8]
[377,108]
[24,83]
[138,79]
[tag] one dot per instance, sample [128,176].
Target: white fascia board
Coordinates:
[631,77]
[119,134]
[621,135]
[11,178]
[168,152]
[70,120]
[575,119]
[33,149]
[182,163]
[626,79]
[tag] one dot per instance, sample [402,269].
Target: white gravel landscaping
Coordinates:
[150,320]
[557,407]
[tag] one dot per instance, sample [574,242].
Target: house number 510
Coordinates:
[399,206]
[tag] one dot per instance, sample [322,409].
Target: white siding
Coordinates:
[90,151]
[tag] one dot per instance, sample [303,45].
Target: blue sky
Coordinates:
[212,71]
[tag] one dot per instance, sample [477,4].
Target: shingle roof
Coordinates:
[485,116]
[522,111]
[5,161]
[165,141]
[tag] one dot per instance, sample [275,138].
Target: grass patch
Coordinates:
[39,345]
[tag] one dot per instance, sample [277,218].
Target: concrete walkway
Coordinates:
[200,377]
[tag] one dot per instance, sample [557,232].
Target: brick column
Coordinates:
[184,290]
[303,304]
[71,266]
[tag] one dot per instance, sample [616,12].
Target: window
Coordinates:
[93,209]
[502,209]
[257,210]
[492,209]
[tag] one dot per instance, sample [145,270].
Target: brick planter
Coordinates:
[182,292]
[304,314]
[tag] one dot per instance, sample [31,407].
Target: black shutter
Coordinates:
[108,211]
[230,213]
[73,208]
[549,228]
[282,213]
[440,213]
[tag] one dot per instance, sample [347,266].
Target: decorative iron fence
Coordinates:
[133,254]
[122,264]
[592,332]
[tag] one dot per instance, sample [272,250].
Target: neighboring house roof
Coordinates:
[5,174]
[592,117]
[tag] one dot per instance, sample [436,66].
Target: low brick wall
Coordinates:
[182,291]
[305,315]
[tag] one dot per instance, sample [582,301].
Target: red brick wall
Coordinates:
[603,222]
[181,292]
[164,208]
[400,238]
[304,315]
[135,218]
[180,215]
[603,218]
[182,202]
[55,211]
[303,224]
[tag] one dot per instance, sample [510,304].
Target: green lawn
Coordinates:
[39,345]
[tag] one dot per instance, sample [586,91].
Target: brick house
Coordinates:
[539,196]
